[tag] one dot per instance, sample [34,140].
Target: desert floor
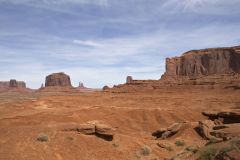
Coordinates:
[135,116]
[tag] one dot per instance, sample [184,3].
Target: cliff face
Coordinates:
[58,79]
[199,63]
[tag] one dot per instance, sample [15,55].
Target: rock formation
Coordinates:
[164,133]
[198,63]
[105,88]
[95,127]
[129,79]
[12,84]
[81,85]
[58,80]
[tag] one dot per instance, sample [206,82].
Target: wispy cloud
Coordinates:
[88,43]
[57,2]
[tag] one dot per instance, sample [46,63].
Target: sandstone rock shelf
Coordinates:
[198,63]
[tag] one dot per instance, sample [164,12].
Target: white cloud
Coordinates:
[88,43]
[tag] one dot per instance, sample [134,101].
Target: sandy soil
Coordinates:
[135,115]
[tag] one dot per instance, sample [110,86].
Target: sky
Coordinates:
[101,42]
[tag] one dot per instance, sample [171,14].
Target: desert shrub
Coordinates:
[236,144]
[192,148]
[179,143]
[42,137]
[208,153]
[115,145]
[233,145]
[212,141]
[145,151]
[169,148]
[70,138]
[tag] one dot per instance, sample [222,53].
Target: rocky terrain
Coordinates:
[191,113]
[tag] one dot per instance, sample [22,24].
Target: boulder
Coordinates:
[58,80]
[86,128]
[104,131]
[174,128]
[164,133]
[96,128]
[205,128]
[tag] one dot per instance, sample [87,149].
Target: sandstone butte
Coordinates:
[206,62]
[205,68]
[58,80]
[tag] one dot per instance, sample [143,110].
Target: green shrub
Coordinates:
[115,145]
[208,153]
[145,151]
[42,137]
[192,148]
[180,143]
[70,138]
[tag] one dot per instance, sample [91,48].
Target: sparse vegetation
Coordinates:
[115,145]
[192,148]
[208,153]
[180,143]
[42,137]
[70,138]
[145,151]
[169,148]
[213,140]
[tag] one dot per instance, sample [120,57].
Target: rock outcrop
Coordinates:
[58,80]
[81,85]
[129,80]
[96,128]
[223,116]
[12,84]
[206,62]
[164,133]
[105,88]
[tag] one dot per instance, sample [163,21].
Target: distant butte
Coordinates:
[58,80]
[13,85]
[205,68]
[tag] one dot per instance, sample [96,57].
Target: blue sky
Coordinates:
[100,42]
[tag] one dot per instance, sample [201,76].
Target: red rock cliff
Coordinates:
[198,63]
[58,79]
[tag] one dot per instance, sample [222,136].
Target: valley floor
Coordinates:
[134,116]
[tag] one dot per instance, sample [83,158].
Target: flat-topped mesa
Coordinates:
[58,80]
[12,84]
[198,63]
